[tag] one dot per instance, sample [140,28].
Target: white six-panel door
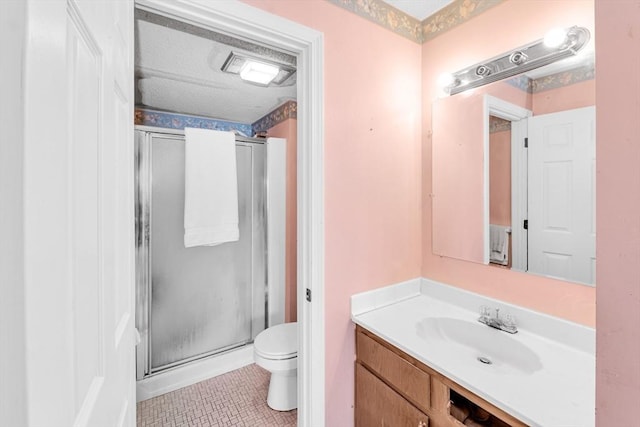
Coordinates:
[79,231]
[562,195]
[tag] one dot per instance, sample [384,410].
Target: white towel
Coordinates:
[499,244]
[211,188]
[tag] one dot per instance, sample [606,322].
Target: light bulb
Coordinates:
[258,72]
[445,80]
[555,38]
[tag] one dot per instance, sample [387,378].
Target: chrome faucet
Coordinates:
[506,323]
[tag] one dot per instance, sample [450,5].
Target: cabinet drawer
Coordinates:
[401,374]
[378,405]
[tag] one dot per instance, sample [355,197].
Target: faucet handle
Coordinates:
[510,320]
[485,311]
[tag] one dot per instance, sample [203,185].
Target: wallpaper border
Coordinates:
[288,110]
[387,16]
[148,117]
[453,15]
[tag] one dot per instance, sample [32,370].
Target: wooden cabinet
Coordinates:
[394,389]
[379,405]
[414,383]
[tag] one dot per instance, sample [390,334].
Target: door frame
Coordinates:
[246,22]
[517,116]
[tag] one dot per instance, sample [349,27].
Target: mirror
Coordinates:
[514,172]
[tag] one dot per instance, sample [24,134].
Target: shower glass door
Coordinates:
[203,300]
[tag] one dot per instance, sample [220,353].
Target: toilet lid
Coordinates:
[278,342]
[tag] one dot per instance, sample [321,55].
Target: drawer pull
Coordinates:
[422,424]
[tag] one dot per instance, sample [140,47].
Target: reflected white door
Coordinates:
[78,199]
[562,195]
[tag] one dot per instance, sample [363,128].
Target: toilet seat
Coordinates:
[278,342]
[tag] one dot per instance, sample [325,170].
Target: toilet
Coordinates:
[276,350]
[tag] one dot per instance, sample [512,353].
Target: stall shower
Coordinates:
[196,302]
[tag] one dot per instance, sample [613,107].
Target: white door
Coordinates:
[78,198]
[562,195]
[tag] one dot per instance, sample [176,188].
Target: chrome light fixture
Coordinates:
[257,70]
[558,44]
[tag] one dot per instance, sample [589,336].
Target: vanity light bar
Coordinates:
[525,58]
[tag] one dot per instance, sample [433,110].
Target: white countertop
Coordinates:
[559,394]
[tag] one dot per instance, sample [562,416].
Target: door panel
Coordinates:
[562,195]
[84,80]
[79,213]
[377,404]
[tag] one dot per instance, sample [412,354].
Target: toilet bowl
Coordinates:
[276,350]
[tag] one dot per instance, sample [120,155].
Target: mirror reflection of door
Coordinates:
[542,194]
[562,195]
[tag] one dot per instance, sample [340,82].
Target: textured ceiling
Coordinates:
[178,68]
[419,9]
[180,71]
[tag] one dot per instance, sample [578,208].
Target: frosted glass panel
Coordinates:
[202,298]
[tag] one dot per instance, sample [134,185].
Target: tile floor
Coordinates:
[238,398]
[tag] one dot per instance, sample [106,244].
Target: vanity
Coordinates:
[512,188]
[423,359]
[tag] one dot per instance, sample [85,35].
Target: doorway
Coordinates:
[244,22]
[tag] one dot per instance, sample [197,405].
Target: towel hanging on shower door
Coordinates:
[211,188]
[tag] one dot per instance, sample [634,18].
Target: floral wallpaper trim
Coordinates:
[180,121]
[553,81]
[496,124]
[399,22]
[564,78]
[453,15]
[288,110]
[385,15]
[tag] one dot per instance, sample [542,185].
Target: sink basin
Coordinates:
[486,346]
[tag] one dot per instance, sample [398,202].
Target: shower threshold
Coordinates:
[195,370]
[181,362]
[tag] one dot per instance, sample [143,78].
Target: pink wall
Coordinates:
[372,172]
[288,130]
[458,177]
[577,95]
[509,93]
[500,178]
[618,208]
[519,22]
[372,210]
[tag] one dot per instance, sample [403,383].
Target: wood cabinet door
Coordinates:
[413,383]
[378,405]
